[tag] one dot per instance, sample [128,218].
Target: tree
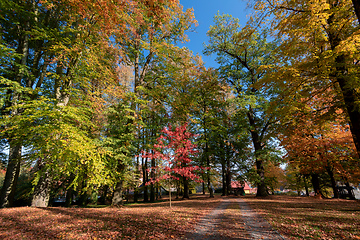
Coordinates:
[52,46]
[177,150]
[320,48]
[242,53]
[316,146]
[157,27]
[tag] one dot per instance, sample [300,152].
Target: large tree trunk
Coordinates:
[348,89]
[152,192]
[356,4]
[13,168]
[316,184]
[333,182]
[261,186]
[84,195]
[12,173]
[70,192]
[186,188]
[41,194]
[351,99]
[118,197]
[69,196]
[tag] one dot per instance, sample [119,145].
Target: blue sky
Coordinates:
[204,11]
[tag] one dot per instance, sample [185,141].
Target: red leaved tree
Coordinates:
[175,148]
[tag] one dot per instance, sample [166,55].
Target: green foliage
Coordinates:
[119,138]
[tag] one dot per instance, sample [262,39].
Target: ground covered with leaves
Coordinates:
[292,217]
[310,218]
[136,221]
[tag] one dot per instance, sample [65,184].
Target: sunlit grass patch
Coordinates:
[310,218]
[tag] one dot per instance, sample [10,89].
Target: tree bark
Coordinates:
[70,192]
[118,197]
[13,168]
[145,178]
[104,193]
[186,188]
[69,196]
[152,176]
[316,183]
[12,173]
[41,194]
[209,185]
[137,171]
[261,186]
[306,186]
[333,182]
[356,4]
[348,89]
[223,176]
[228,176]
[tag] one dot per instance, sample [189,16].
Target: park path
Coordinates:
[253,225]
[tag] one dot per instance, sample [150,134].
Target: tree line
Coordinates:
[89,88]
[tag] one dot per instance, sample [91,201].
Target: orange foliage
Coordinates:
[316,144]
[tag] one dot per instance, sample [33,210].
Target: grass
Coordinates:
[293,217]
[310,218]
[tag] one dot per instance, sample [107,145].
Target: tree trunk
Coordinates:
[348,89]
[351,100]
[41,195]
[316,183]
[70,192]
[69,196]
[203,187]
[228,177]
[136,195]
[118,197]
[261,186]
[209,185]
[157,192]
[333,182]
[306,186]
[186,188]
[83,199]
[152,192]
[152,176]
[136,190]
[12,173]
[356,4]
[223,176]
[102,200]
[177,190]
[13,168]
[145,178]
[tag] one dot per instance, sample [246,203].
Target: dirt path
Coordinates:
[257,226]
[222,223]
